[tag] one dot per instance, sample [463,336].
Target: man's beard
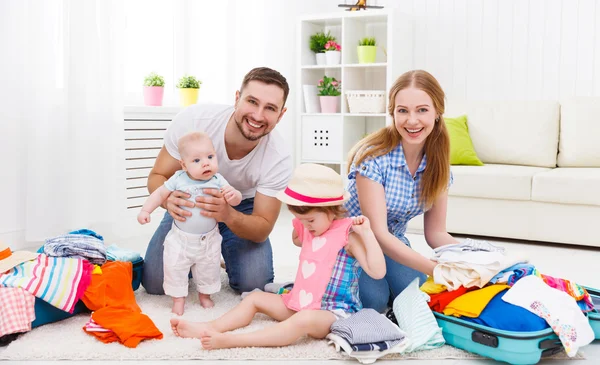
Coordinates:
[249,137]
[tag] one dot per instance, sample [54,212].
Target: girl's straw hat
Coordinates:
[314,185]
[10,259]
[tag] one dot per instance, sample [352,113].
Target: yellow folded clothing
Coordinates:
[474,302]
[430,287]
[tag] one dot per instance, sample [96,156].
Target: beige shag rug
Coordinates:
[66,340]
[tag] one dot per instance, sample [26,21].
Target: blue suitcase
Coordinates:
[518,348]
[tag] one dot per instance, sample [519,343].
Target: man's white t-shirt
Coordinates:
[266,169]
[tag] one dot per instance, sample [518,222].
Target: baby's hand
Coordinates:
[361,224]
[143,217]
[228,193]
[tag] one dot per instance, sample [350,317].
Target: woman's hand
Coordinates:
[175,201]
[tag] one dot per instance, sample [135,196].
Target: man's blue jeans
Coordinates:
[379,294]
[249,264]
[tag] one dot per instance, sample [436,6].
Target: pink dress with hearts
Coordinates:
[327,276]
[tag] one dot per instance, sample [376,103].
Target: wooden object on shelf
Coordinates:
[360,5]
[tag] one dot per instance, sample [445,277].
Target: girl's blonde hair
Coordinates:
[338,210]
[437,145]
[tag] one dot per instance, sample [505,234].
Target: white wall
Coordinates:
[508,49]
[492,49]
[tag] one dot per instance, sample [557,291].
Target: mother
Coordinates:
[397,173]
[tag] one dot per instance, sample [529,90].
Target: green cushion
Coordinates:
[462,151]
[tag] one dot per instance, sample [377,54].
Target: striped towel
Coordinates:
[60,281]
[416,319]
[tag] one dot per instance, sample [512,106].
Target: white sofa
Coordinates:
[541,179]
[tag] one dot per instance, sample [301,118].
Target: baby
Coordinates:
[195,243]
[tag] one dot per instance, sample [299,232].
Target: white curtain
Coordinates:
[62,61]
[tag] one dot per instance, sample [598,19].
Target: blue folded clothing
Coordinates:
[501,315]
[116,253]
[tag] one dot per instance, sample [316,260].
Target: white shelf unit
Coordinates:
[327,138]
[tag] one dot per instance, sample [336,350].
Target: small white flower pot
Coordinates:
[321,59]
[333,57]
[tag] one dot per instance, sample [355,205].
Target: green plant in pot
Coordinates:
[329,94]
[188,90]
[367,50]
[154,88]
[317,44]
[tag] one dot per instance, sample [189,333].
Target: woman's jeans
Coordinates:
[380,294]
[249,264]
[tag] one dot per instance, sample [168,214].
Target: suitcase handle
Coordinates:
[484,338]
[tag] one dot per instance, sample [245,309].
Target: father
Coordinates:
[252,157]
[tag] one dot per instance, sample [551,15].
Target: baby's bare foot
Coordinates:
[212,340]
[178,306]
[205,300]
[187,329]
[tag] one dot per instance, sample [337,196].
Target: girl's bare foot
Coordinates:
[212,340]
[178,305]
[205,300]
[187,329]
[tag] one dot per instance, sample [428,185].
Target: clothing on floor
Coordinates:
[116,253]
[367,326]
[16,311]
[365,357]
[558,309]
[59,281]
[376,346]
[327,277]
[199,252]
[584,301]
[470,245]
[501,315]
[438,302]
[92,326]
[112,301]
[469,268]
[430,287]
[503,276]
[87,232]
[474,302]
[77,246]
[416,319]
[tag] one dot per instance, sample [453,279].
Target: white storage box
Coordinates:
[366,101]
[322,138]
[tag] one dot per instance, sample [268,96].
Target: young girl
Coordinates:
[334,252]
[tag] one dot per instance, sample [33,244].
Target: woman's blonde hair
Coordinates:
[437,145]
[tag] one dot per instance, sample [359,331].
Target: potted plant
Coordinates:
[154,87]
[329,94]
[367,50]
[332,53]
[188,90]
[317,45]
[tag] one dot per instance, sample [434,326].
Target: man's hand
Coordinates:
[214,205]
[361,224]
[176,200]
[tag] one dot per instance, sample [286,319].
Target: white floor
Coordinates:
[569,262]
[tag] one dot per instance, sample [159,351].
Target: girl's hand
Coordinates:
[361,224]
